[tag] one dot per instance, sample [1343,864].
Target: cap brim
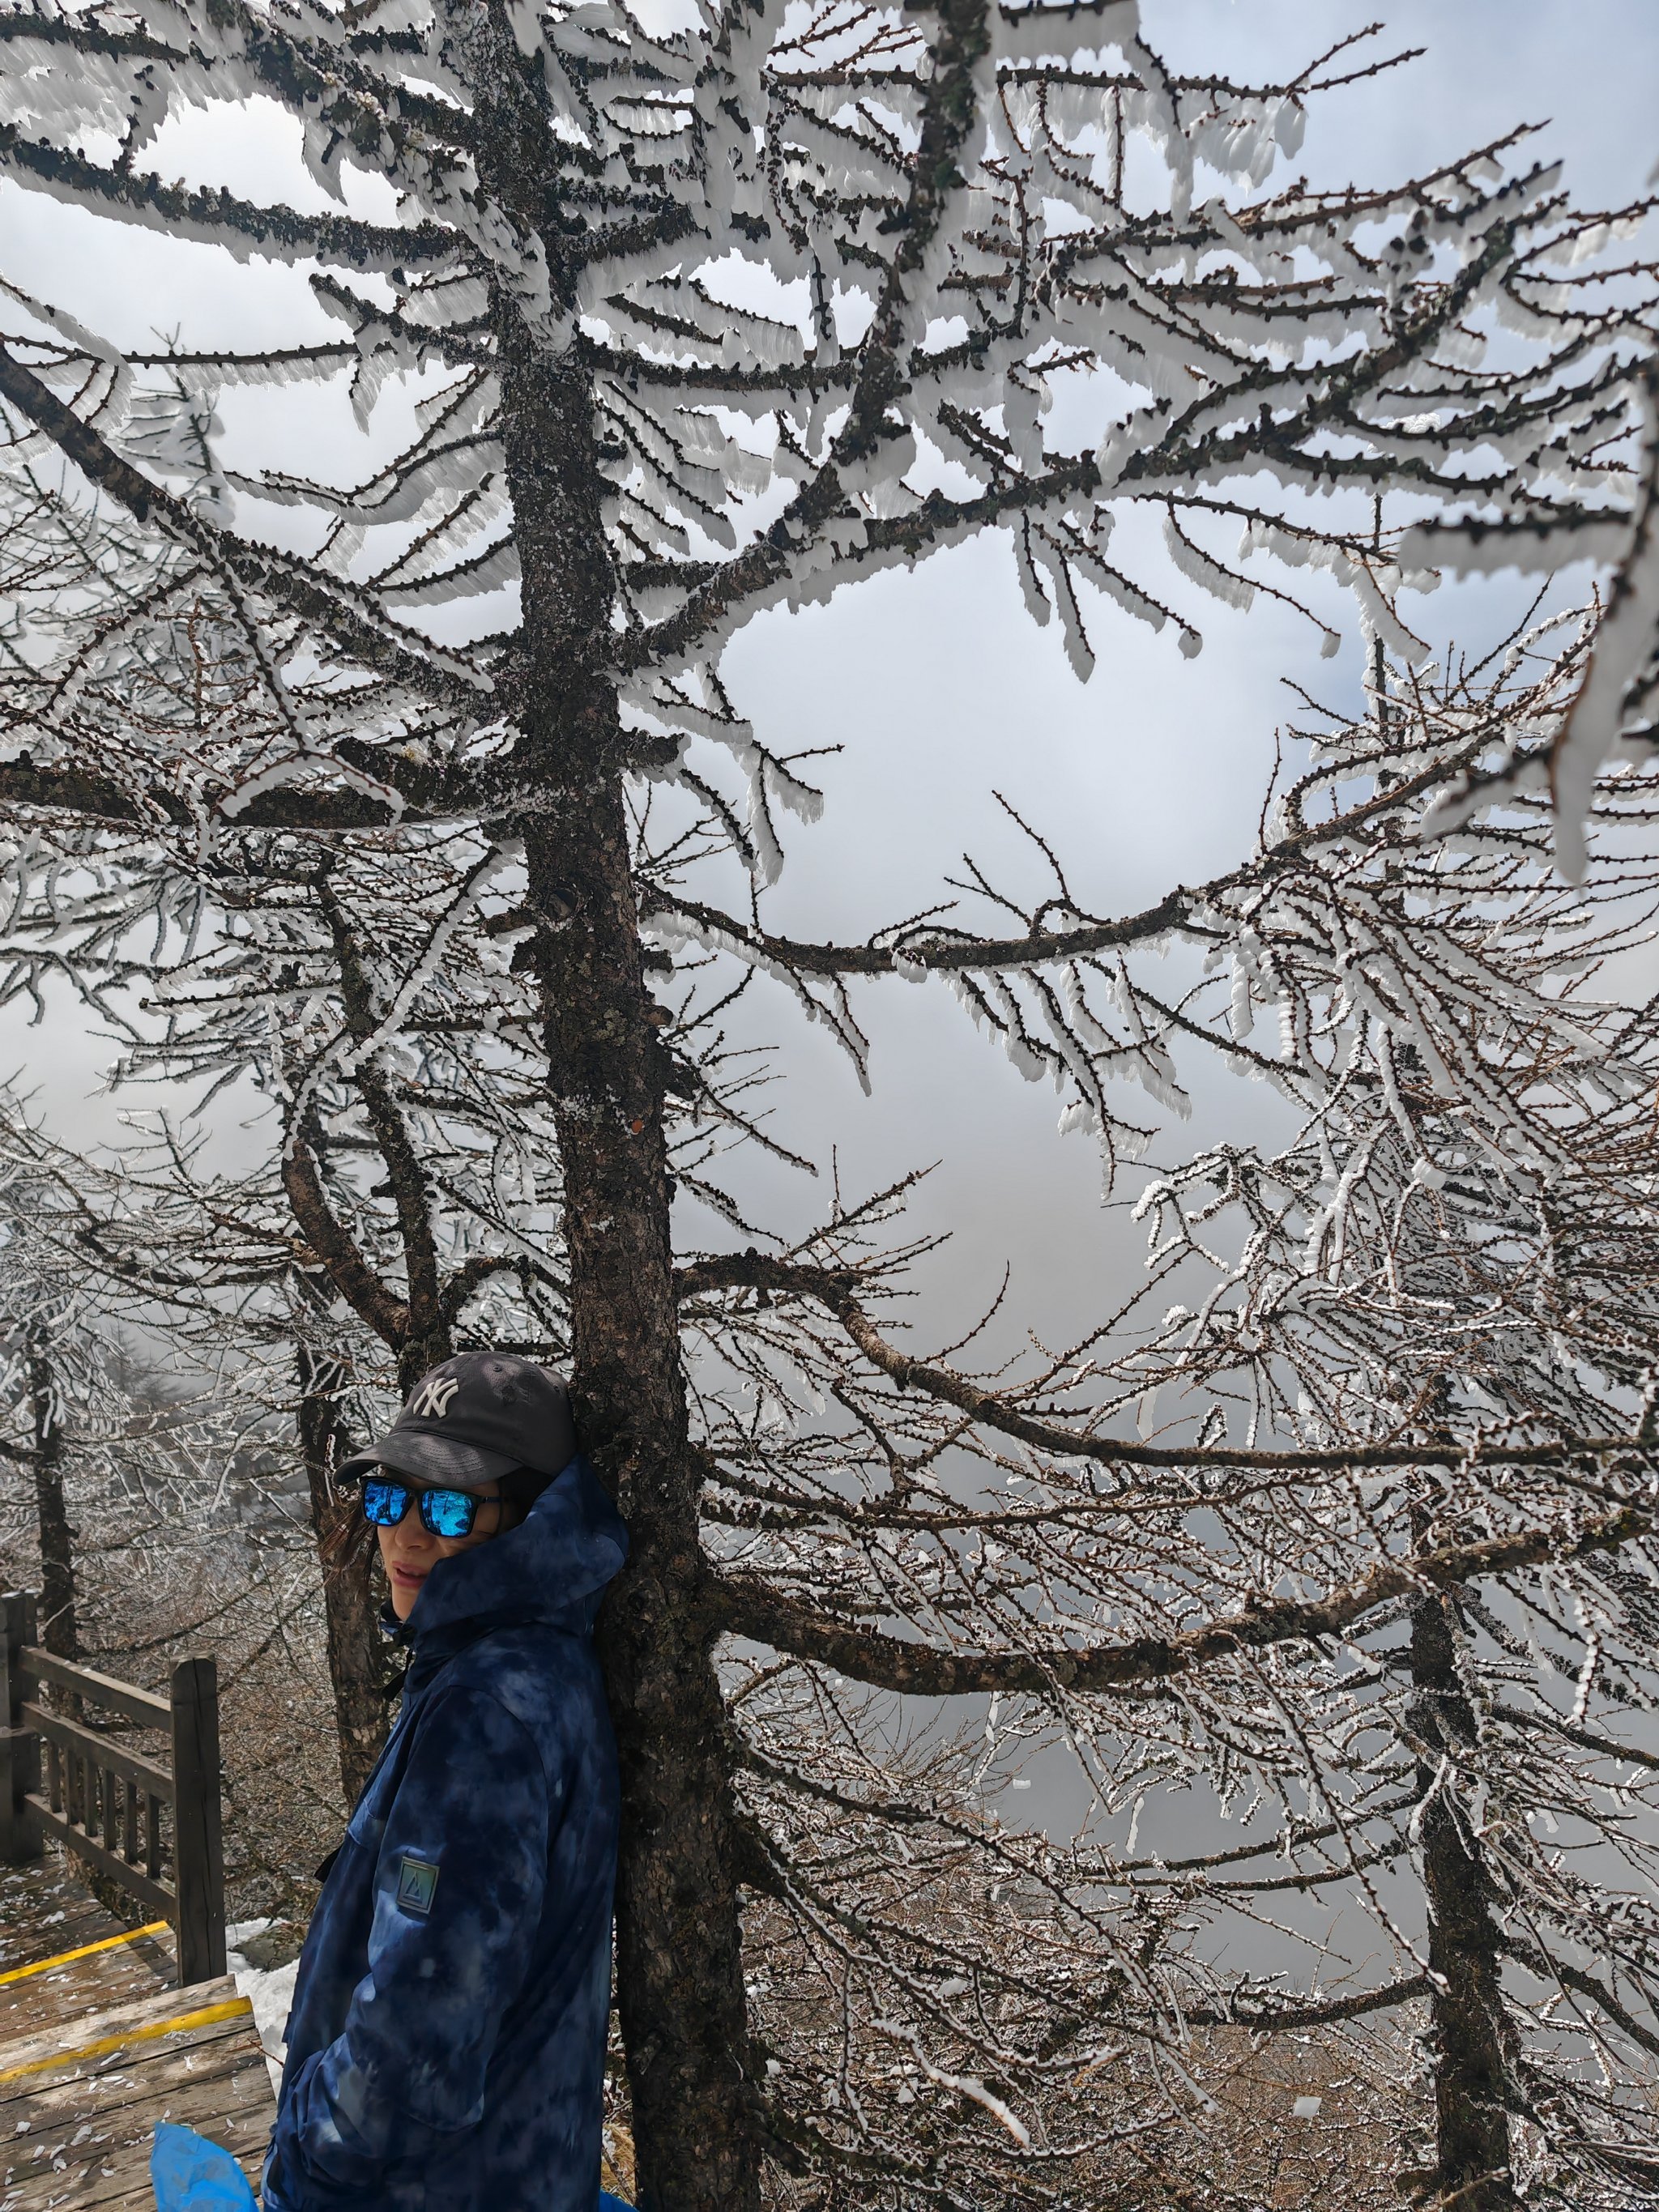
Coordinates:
[437,1460]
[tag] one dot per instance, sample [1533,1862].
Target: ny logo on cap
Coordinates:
[435,1394]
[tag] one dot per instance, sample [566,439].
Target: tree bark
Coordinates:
[356,1656]
[679,1963]
[58,1629]
[1468,2033]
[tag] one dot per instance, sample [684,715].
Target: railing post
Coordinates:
[20,1748]
[199,1863]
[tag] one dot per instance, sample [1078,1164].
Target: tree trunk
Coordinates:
[1468,2033]
[59,1629]
[355,1653]
[679,1962]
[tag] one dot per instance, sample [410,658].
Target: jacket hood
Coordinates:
[554,1567]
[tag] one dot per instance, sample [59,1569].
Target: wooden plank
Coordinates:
[82,1951]
[65,1990]
[46,1909]
[103,1750]
[79,2061]
[76,2130]
[154,1896]
[221,2084]
[29,2064]
[19,1772]
[99,2154]
[118,2174]
[120,2177]
[146,2075]
[137,2074]
[22,1942]
[198,1870]
[140,1705]
[19,1752]
[47,1917]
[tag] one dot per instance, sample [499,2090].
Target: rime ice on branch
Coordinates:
[944,237]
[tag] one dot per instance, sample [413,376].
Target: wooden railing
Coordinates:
[104,1801]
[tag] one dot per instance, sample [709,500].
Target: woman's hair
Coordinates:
[348,1546]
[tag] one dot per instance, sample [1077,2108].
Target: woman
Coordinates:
[446,2051]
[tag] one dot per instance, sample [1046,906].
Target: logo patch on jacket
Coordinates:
[418,1879]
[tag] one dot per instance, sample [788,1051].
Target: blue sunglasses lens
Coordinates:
[443,1512]
[384,1504]
[449,1512]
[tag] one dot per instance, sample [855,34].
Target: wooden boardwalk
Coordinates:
[97,2044]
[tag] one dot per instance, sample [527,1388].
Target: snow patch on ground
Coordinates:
[269,1990]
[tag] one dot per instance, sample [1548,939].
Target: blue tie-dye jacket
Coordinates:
[446,2049]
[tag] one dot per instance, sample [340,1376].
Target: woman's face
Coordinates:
[409,1551]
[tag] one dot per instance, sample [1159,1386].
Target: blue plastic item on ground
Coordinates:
[191,2174]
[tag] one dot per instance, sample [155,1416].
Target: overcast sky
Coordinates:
[936,684]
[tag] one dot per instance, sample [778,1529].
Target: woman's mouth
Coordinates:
[409,1578]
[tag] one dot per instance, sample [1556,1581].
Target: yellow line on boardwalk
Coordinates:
[109,1944]
[207,2017]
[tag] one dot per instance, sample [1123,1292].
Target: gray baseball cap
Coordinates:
[473,1420]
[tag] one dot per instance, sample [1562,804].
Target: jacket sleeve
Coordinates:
[460,1870]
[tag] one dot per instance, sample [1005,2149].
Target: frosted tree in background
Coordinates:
[695,324]
[57,1386]
[94,1432]
[415,1185]
[1378,1564]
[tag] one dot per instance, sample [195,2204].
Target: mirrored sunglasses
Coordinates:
[443,1512]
